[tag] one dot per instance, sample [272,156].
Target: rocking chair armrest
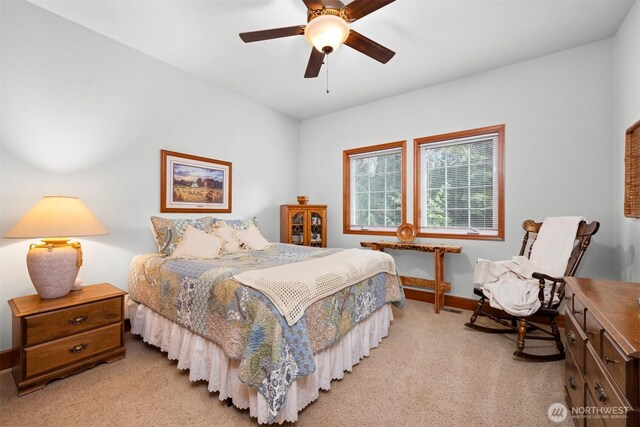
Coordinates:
[558,286]
[542,277]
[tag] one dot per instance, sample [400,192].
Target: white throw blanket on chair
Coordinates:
[509,285]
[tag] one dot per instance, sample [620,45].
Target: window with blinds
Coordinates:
[374,189]
[459,184]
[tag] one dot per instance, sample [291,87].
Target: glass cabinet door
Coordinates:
[297,227]
[316,225]
[303,225]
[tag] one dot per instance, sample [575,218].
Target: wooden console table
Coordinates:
[438,285]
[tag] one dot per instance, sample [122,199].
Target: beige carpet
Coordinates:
[430,371]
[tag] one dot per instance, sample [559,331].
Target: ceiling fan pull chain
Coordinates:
[327,61]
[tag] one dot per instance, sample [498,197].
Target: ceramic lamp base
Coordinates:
[53,268]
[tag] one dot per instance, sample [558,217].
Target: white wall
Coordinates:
[84,115]
[626,60]
[558,114]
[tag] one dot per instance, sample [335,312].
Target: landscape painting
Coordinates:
[197,185]
[194,184]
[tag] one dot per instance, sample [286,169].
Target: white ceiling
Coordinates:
[435,42]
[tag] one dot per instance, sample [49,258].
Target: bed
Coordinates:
[234,337]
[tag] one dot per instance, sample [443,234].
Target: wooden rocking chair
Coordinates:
[548,310]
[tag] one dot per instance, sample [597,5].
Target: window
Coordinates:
[458,187]
[374,189]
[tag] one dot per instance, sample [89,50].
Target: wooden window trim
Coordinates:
[346,185]
[499,129]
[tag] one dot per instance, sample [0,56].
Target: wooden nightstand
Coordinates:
[63,336]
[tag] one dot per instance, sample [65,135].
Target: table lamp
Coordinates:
[53,265]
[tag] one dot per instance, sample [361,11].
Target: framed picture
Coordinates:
[194,184]
[632,172]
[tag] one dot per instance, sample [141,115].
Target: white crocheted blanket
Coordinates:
[294,287]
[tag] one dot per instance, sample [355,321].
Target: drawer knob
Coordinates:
[600,394]
[78,348]
[609,360]
[78,320]
[572,383]
[572,337]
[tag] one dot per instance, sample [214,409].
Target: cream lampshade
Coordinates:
[53,265]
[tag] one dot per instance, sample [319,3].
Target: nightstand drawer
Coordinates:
[64,322]
[64,351]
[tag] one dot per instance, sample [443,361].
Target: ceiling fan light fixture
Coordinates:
[327,32]
[327,28]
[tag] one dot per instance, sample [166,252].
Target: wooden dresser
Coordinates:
[62,336]
[602,327]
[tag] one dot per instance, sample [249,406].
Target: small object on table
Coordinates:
[58,337]
[406,232]
[77,285]
[438,284]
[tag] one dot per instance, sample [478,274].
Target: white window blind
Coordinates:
[459,186]
[376,190]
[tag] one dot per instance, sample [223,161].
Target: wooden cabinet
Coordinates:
[59,337]
[304,225]
[602,370]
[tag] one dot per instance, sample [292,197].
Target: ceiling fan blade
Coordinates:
[314,4]
[273,33]
[315,63]
[359,8]
[334,4]
[367,46]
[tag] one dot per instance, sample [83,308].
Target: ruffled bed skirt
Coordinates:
[206,360]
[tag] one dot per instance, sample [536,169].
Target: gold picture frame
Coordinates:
[194,184]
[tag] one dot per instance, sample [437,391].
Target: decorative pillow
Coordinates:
[197,244]
[228,235]
[168,232]
[238,224]
[252,238]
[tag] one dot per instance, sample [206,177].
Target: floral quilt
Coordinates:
[201,296]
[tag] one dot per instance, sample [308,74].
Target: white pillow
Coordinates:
[229,235]
[252,238]
[197,244]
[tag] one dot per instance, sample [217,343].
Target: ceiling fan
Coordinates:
[327,28]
